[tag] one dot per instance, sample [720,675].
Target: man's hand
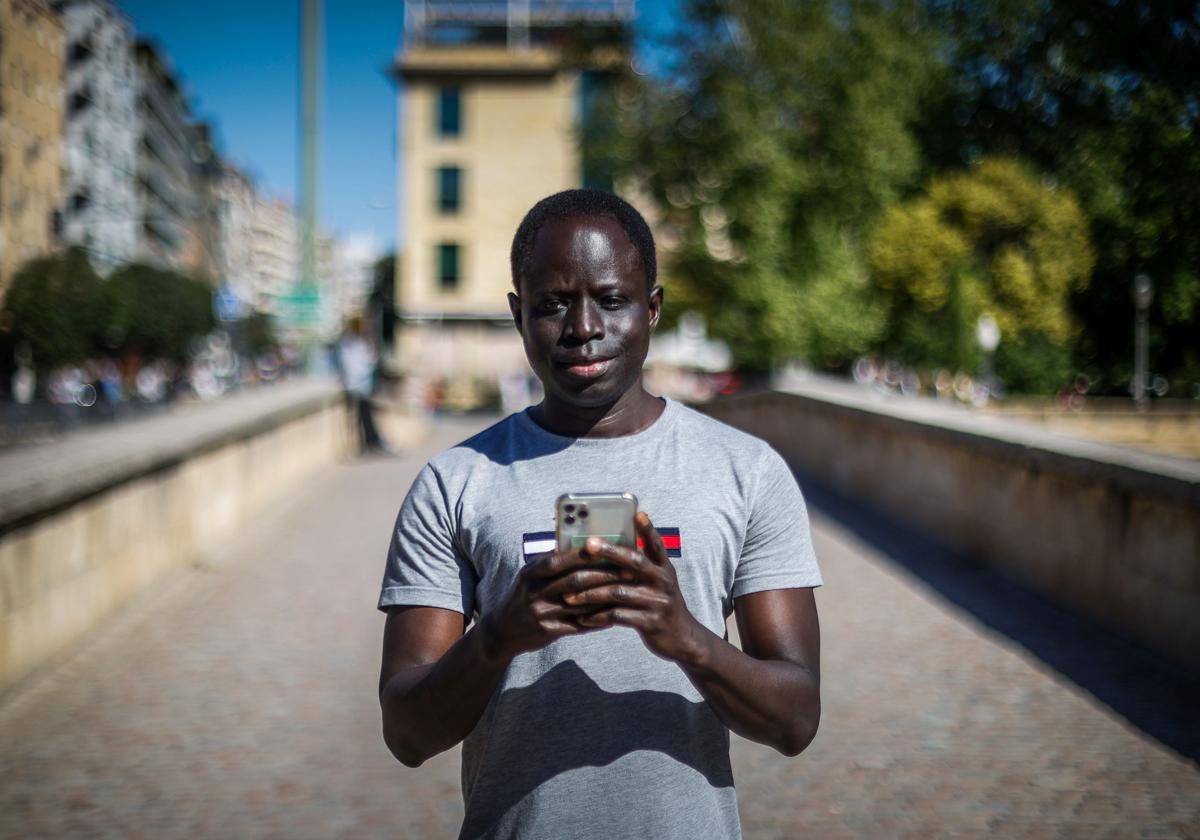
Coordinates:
[646,598]
[536,611]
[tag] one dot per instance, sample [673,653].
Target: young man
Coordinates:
[595,689]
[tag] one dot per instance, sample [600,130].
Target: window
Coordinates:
[449,189]
[449,112]
[448,266]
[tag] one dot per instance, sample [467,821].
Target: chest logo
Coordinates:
[540,542]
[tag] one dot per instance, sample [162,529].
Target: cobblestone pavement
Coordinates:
[237,700]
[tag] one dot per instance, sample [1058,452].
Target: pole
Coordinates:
[310,37]
[1143,295]
[1139,359]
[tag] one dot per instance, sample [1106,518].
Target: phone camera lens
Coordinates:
[583,513]
[568,508]
[570,520]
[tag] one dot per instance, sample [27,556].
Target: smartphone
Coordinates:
[605,515]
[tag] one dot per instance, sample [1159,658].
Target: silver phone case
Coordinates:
[609,516]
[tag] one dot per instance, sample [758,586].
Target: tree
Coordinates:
[383,297]
[154,311]
[1106,96]
[53,305]
[779,136]
[992,239]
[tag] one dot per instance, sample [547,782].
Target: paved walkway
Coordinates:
[237,700]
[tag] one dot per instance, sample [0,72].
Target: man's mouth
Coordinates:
[586,370]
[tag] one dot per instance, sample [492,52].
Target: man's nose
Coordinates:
[583,322]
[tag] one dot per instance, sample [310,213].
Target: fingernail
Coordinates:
[643,518]
[571,598]
[593,544]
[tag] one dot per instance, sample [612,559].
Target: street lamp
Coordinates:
[1143,295]
[987,333]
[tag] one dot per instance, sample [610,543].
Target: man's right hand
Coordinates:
[533,613]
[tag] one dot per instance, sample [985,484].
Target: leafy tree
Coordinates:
[779,136]
[52,305]
[154,311]
[257,333]
[383,296]
[1105,96]
[992,239]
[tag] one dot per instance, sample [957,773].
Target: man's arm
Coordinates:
[769,691]
[436,679]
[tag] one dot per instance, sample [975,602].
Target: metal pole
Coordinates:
[310,36]
[1143,295]
[1139,359]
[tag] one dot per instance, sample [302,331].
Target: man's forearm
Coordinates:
[770,701]
[429,708]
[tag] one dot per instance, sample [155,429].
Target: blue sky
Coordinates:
[239,63]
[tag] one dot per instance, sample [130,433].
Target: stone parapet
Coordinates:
[87,522]
[1108,532]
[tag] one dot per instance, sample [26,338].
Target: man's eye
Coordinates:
[551,305]
[612,302]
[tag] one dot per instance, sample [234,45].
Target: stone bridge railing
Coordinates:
[87,522]
[1106,531]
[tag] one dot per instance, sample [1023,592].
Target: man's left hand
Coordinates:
[648,599]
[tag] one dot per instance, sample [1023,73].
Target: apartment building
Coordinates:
[31,118]
[99,204]
[168,206]
[489,111]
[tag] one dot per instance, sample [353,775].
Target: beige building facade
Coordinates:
[487,131]
[492,96]
[31,121]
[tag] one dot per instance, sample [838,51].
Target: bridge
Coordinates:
[232,693]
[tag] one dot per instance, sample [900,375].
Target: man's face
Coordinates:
[584,311]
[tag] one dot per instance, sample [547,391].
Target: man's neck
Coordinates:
[634,411]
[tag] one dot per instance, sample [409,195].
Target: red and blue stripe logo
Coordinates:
[540,542]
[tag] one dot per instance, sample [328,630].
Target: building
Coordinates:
[346,271]
[31,119]
[169,208]
[235,201]
[99,202]
[489,116]
[275,254]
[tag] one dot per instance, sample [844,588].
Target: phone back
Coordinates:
[605,515]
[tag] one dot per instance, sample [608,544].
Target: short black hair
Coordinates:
[572,203]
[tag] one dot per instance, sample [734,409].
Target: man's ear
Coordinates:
[656,304]
[514,306]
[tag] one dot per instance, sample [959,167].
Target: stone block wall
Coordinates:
[62,572]
[1107,532]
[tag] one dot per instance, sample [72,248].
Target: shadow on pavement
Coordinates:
[1151,692]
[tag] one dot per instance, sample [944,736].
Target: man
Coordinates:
[595,689]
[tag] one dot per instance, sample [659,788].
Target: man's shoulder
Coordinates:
[493,445]
[710,433]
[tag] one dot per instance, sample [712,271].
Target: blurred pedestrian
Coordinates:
[357,361]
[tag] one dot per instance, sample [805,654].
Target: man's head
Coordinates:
[586,303]
[583,203]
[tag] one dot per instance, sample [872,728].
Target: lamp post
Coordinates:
[987,333]
[1143,295]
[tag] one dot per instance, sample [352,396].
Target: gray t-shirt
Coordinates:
[593,735]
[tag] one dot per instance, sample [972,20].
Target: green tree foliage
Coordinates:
[992,239]
[1106,96]
[779,138]
[382,300]
[154,311]
[257,333]
[53,304]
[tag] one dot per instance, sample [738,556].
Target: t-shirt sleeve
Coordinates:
[425,567]
[778,551]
